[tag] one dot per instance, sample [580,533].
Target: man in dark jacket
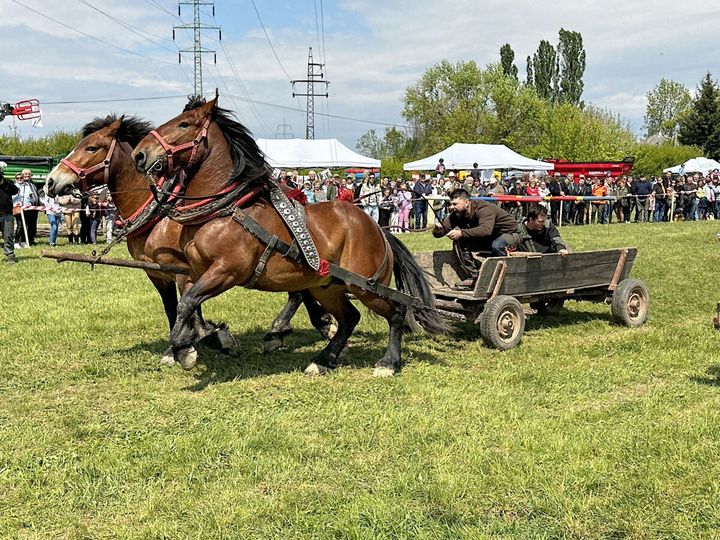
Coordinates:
[535,235]
[642,190]
[421,189]
[555,189]
[474,226]
[7,190]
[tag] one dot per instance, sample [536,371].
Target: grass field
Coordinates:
[587,430]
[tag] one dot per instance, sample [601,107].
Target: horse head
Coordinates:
[187,140]
[93,159]
[179,143]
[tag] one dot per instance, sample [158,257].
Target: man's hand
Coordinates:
[563,252]
[454,234]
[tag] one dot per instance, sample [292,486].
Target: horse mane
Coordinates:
[248,159]
[132,129]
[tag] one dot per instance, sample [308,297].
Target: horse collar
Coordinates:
[170,151]
[84,172]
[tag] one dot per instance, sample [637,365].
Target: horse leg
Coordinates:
[187,330]
[335,302]
[391,362]
[168,294]
[321,320]
[280,328]
[281,325]
[217,335]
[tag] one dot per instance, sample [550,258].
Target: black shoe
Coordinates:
[465,285]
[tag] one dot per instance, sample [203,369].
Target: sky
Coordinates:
[76,55]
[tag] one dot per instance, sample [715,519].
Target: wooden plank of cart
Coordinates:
[544,281]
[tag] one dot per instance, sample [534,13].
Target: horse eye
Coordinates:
[184,124]
[91,149]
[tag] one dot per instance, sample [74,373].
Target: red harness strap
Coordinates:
[170,151]
[83,172]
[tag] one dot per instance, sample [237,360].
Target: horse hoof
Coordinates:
[168,359]
[383,372]
[273,345]
[316,370]
[187,358]
[329,331]
[228,343]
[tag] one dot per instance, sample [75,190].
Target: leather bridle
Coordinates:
[171,151]
[84,172]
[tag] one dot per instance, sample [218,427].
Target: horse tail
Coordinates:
[410,279]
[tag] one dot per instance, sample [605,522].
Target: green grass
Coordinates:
[587,430]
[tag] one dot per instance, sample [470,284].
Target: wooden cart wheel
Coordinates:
[502,322]
[630,303]
[551,306]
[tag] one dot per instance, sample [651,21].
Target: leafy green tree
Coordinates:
[545,71]
[572,66]
[449,103]
[371,145]
[701,125]
[507,57]
[666,104]
[57,143]
[530,80]
[652,159]
[569,132]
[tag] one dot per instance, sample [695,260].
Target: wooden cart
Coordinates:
[543,281]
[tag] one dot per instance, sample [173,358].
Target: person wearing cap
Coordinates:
[308,191]
[474,227]
[7,191]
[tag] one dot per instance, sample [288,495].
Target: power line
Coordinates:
[270,42]
[129,27]
[128,51]
[156,4]
[230,96]
[111,100]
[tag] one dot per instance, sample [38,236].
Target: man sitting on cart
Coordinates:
[534,235]
[475,227]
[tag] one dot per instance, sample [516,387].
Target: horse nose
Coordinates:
[140,160]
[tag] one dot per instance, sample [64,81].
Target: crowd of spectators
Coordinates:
[403,205]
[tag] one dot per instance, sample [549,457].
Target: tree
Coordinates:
[545,70]
[371,145]
[530,80]
[700,126]
[57,143]
[507,56]
[448,104]
[572,66]
[666,104]
[652,159]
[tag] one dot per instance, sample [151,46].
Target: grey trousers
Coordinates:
[8,228]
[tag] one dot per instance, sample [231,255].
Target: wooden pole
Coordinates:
[22,218]
[62,256]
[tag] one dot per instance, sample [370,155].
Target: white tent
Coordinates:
[698,164]
[487,156]
[304,153]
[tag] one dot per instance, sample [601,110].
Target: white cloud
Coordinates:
[375,50]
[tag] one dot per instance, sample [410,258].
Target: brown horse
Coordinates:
[207,143]
[103,157]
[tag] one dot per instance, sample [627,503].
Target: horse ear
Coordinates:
[115,127]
